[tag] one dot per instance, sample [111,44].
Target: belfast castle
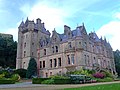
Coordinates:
[61,53]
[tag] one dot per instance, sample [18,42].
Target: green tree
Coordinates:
[32,68]
[117,61]
[8,50]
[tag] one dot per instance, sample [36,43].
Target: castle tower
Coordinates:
[29,36]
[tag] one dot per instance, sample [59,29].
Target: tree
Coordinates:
[8,50]
[117,61]
[32,68]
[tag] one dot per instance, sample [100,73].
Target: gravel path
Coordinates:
[30,86]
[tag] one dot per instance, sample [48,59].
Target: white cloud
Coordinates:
[117,15]
[12,31]
[111,32]
[55,12]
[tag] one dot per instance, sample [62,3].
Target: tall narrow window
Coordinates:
[85,45]
[72,58]
[88,61]
[33,43]
[24,44]
[56,48]
[59,61]
[94,60]
[85,59]
[68,59]
[40,64]
[50,73]
[51,63]
[46,75]
[26,35]
[24,53]
[32,53]
[53,49]
[43,64]
[55,63]
[70,46]
[44,51]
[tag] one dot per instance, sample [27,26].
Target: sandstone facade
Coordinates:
[60,53]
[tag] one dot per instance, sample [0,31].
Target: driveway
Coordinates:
[30,86]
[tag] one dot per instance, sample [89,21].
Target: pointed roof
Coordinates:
[21,24]
[83,30]
[26,22]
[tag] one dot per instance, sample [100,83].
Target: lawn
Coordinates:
[115,86]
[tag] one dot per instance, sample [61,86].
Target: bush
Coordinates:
[62,81]
[107,74]
[21,72]
[15,77]
[7,81]
[56,81]
[2,75]
[32,68]
[38,80]
[58,77]
[105,80]
[49,81]
[99,75]
[6,73]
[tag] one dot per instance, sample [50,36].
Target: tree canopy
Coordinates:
[8,49]
[117,61]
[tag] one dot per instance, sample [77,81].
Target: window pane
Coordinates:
[68,59]
[59,61]
[72,58]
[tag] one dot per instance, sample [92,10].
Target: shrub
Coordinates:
[7,81]
[56,81]
[15,77]
[62,81]
[107,74]
[104,80]
[99,75]
[38,80]
[6,73]
[32,68]
[21,72]
[2,75]
[58,77]
[49,81]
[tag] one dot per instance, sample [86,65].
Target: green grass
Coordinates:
[98,87]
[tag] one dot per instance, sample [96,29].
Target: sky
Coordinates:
[100,16]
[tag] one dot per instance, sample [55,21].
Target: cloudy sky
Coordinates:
[101,16]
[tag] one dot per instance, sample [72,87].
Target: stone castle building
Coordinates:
[60,53]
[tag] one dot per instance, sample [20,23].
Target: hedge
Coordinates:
[7,81]
[62,81]
[50,81]
[38,80]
